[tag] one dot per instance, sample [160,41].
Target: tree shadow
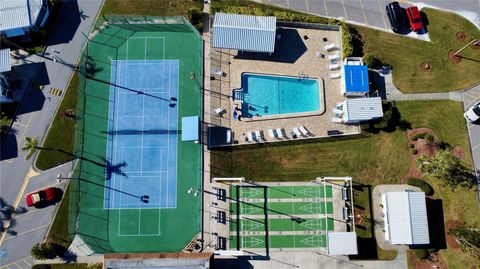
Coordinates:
[67,23]
[288,49]
[7,222]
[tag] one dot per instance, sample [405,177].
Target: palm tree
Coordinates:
[31,145]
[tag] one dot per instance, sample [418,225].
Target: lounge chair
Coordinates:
[296,132]
[337,120]
[333,66]
[339,105]
[337,111]
[217,72]
[335,75]
[334,57]
[271,134]
[259,136]
[330,47]
[219,111]
[303,130]
[279,132]
[249,136]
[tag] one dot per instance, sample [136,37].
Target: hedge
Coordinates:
[424,186]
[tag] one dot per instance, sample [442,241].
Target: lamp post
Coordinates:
[475,41]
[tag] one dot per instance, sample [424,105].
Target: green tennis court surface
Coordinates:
[128,137]
[280,216]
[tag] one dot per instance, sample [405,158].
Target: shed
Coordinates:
[20,16]
[244,32]
[361,109]
[5,63]
[342,243]
[406,218]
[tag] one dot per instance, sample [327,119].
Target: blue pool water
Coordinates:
[272,95]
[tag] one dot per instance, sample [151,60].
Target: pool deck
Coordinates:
[294,55]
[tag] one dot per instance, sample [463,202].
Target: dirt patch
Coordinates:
[462,36]
[475,45]
[359,215]
[459,152]
[434,261]
[426,67]
[422,148]
[453,58]
[450,224]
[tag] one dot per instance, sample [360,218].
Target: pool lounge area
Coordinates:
[278,120]
[277,96]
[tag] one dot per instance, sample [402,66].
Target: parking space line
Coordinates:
[344,9]
[383,17]
[288,3]
[363,11]
[325,4]
[476,147]
[26,232]
[306,4]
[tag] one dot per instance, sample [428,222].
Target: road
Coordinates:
[38,107]
[470,97]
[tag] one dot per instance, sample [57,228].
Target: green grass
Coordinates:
[375,158]
[149,7]
[61,133]
[59,231]
[67,266]
[407,54]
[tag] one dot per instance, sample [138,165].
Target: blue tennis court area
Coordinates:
[142,134]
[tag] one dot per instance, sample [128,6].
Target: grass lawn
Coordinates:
[376,158]
[59,231]
[407,54]
[61,133]
[149,7]
[67,266]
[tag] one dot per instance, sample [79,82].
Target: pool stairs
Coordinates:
[238,94]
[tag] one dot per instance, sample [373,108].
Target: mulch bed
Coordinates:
[462,36]
[358,214]
[422,149]
[453,58]
[434,260]
[450,224]
[426,67]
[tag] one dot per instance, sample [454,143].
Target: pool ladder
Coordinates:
[238,94]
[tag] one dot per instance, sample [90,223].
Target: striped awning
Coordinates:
[244,32]
[5,64]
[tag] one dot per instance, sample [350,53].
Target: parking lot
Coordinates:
[470,97]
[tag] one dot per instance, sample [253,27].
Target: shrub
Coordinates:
[411,145]
[414,151]
[469,239]
[421,253]
[424,186]
[419,136]
[369,60]
[429,139]
[43,251]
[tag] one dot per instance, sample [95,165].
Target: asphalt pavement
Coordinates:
[38,107]
[470,97]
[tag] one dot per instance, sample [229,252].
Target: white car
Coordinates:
[473,113]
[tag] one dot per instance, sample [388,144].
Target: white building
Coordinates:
[18,17]
[355,110]
[405,218]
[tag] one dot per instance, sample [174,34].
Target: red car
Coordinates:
[414,18]
[41,196]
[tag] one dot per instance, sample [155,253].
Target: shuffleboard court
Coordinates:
[287,192]
[285,208]
[258,225]
[281,241]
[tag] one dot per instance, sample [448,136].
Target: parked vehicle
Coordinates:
[396,16]
[414,18]
[473,113]
[42,197]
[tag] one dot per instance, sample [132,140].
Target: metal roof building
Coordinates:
[244,32]
[5,64]
[361,109]
[18,16]
[342,243]
[406,218]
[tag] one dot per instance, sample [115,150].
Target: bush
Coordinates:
[414,151]
[369,60]
[421,253]
[43,251]
[424,186]
[419,136]
[411,146]
[429,139]
[469,239]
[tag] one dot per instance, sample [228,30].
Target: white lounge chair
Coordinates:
[271,134]
[249,136]
[333,66]
[334,57]
[217,72]
[335,75]
[337,120]
[258,135]
[330,47]
[303,130]
[338,105]
[337,111]
[279,132]
[219,111]
[296,132]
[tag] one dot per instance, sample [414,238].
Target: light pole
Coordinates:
[476,41]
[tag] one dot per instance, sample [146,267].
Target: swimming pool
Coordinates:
[265,95]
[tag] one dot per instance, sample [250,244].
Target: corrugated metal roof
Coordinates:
[5,64]
[356,78]
[14,14]
[342,243]
[407,218]
[244,32]
[362,109]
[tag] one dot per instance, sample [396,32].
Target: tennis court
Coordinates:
[135,169]
[281,215]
